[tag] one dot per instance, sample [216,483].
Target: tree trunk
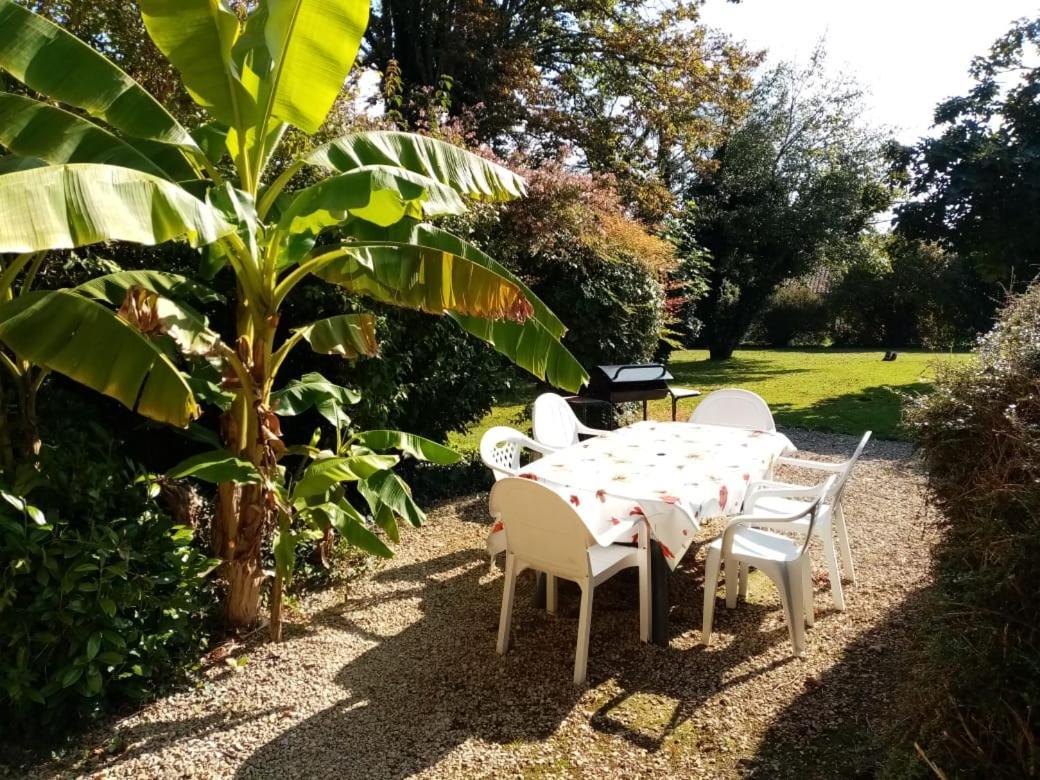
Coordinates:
[720,352]
[242,603]
[238,535]
[244,513]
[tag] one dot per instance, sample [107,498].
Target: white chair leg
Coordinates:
[807,592]
[508,591]
[644,594]
[791,598]
[711,584]
[843,542]
[732,586]
[551,594]
[581,656]
[833,573]
[744,573]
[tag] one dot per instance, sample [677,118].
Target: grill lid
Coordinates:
[619,376]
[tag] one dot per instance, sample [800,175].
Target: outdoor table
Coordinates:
[670,475]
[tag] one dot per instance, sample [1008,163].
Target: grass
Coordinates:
[840,391]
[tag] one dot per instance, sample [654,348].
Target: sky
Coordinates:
[909,54]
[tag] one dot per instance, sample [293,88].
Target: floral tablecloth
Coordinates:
[670,474]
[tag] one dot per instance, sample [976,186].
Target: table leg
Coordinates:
[538,598]
[674,410]
[644,409]
[660,599]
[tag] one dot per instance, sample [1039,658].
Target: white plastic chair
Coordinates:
[543,532]
[784,560]
[776,499]
[735,408]
[500,449]
[555,424]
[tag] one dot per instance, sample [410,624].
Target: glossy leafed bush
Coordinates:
[102,596]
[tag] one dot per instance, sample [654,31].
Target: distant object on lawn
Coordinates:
[889,357]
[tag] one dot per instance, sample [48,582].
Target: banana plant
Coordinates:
[98,159]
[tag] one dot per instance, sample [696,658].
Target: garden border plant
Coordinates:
[122,168]
[979,436]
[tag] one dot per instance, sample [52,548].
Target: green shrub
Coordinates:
[976,687]
[601,271]
[796,313]
[102,595]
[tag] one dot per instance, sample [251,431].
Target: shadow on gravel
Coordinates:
[839,726]
[418,694]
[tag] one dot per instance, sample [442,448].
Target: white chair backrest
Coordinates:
[542,529]
[553,421]
[735,408]
[500,450]
[843,477]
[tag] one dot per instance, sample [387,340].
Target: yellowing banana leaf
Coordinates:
[66,206]
[408,231]
[463,171]
[534,344]
[416,446]
[377,194]
[54,62]
[424,278]
[346,335]
[197,37]
[87,342]
[34,129]
[313,44]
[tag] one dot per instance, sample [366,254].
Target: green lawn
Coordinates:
[844,391]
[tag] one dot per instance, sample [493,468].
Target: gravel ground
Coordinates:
[396,675]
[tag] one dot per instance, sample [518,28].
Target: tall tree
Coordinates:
[801,173]
[975,187]
[634,88]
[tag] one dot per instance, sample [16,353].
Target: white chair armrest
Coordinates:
[817,465]
[742,520]
[587,431]
[767,489]
[530,444]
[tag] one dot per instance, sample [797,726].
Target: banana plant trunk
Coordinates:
[245,513]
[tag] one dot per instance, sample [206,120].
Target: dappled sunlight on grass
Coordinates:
[846,391]
[841,391]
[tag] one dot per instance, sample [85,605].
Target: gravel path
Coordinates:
[397,674]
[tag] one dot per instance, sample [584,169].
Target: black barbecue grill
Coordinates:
[625,384]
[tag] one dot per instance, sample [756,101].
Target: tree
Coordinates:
[117,166]
[801,173]
[638,90]
[896,292]
[975,187]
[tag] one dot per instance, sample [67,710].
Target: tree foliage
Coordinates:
[975,187]
[639,90]
[801,173]
[582,253]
